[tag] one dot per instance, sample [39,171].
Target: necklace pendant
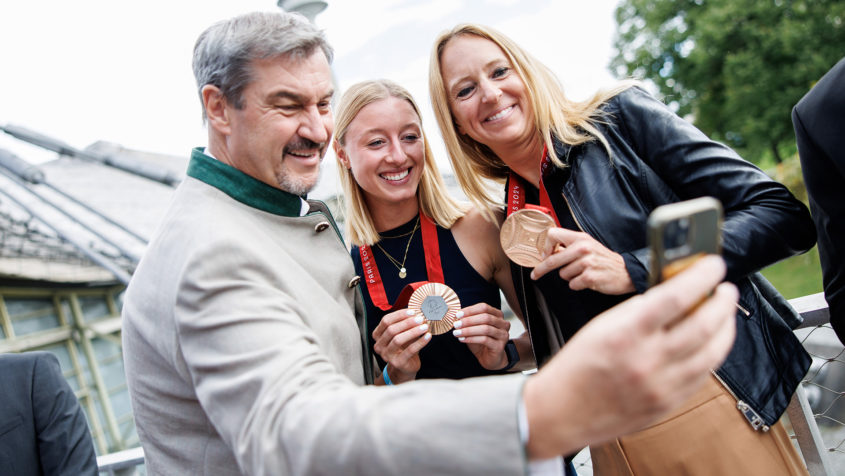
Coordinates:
[402,273]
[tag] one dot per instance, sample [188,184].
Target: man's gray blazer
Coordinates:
[243,354]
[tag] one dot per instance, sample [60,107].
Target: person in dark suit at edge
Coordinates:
[819,121]
[42,427]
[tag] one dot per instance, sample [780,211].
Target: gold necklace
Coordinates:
[401,266]
[397,236]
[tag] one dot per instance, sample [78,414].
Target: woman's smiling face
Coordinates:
[487,98]
[384,149]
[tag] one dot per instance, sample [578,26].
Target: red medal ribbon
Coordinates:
[433,267]
[431,248]
[516,191]
[372,276]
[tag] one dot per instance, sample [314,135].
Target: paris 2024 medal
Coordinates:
[438,303]
[523,236]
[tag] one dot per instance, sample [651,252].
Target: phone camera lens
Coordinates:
[676,233]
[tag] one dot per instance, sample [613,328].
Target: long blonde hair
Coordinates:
[432,196]
[555,115]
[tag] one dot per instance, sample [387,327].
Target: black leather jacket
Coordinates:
[659,158]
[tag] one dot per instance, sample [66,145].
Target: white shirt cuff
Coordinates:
[537,467]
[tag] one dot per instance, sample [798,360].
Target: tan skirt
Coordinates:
[706,436]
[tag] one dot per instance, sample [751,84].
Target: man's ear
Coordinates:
[216,108]
[341,154]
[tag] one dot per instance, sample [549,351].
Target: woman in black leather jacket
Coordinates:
[601,166]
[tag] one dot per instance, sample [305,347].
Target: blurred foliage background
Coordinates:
[735,68]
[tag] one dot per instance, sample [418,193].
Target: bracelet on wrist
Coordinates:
[511,353]
[386,376]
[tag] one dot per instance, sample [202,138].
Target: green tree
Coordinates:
[735,66]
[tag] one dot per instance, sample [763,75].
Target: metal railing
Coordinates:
[815,414]
[817,410]
[122,462]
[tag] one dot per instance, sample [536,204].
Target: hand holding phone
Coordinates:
[681,233]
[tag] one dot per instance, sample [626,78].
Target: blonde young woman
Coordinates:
[600,167]
[405,228]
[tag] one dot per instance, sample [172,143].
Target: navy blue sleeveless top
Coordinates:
[444,356]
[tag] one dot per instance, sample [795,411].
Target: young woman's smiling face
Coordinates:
[384,149]
[487,97]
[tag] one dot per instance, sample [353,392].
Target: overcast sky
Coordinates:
[120,71]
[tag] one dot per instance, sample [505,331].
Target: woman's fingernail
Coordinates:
[459,314]
[424,327]
[419,319]
[458,324]
[409,312]
[427,336]
[461,339]
[456,332]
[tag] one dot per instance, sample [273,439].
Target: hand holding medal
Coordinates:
[400,335]
[529,234]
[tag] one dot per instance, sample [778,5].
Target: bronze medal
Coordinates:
[523,236]
[438,303]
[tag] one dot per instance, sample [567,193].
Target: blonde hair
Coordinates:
[555,115]
[432,196]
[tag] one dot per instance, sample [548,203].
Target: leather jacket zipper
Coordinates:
[744,310]
[754,419]
[572,212]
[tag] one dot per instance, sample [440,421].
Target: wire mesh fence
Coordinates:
[824,387]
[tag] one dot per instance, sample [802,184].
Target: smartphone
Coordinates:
[680,233]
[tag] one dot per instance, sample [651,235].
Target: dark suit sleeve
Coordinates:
[819,121]
[64,442]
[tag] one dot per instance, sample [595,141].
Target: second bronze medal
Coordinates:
[523,236]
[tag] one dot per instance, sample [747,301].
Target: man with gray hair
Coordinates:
[243,332]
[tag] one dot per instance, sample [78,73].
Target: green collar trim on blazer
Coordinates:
[242,187]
